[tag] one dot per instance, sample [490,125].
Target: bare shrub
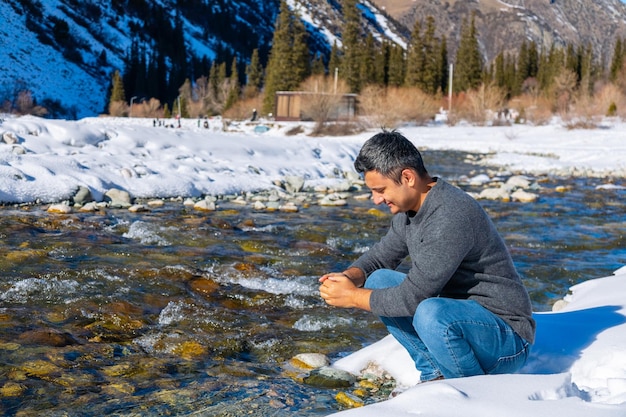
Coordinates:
[25,104]
[586,112]
[243,109]
[338,129]
[147,108]
[562,91]
[458,102]
[324,100]
[389,107]
[118,109]
[480,105]
[610,100]
[203,99]
[374,107]
[532,109]
[583,113]
[416,106]
[296,130]
[195,108]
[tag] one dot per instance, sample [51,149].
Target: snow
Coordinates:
[577,367]
[578,364]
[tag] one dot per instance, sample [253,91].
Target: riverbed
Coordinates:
[176,311]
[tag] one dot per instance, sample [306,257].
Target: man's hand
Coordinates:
[340,291]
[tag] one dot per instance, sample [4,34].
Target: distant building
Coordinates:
[290,104]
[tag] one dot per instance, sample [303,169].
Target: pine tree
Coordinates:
[415,58]
[533,60]
[318,68]
[511,85]
[368,61]
[233,86]
[289,59]
[334,61]
[396,73]
[300,57]
[552,64]
[350,62]
[214,79]
[382,63]
[617,62]
[588,71]
[523,68]
[254,75]
[431,73]
[444,65]
[469,63]
[573,60]
[117,88]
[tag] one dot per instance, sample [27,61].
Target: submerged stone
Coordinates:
[349,400]
[12,389]
[328,377]
[48,337]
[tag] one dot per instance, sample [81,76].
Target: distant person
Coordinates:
[461,309]
[254,115]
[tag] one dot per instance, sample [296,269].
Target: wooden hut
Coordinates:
[290,105]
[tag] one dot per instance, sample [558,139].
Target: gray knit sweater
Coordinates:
[455,252]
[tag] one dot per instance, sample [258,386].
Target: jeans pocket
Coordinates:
[512,363]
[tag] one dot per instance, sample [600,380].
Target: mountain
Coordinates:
[65,51]
[503,25]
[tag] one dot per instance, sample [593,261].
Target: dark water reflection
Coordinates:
[179,312]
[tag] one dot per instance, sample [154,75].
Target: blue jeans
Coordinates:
[453,338]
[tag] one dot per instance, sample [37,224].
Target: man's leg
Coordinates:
[467,339]
[402,327]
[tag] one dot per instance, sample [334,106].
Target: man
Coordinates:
[462,309]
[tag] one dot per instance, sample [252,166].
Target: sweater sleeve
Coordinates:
[389,252]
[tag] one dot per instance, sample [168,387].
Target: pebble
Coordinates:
[292,195]
[310,360]
[138,208]
[62,208]
[117,198]
[524,196]
[349,400]
[204,205]
[288,207]
[156,203]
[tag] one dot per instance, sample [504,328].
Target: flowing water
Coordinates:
[181,312]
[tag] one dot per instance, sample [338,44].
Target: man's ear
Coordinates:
[409,176]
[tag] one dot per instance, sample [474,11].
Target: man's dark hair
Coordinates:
[389,153]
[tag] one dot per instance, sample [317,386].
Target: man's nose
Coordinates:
[378,198]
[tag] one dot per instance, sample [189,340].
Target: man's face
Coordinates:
[399,198]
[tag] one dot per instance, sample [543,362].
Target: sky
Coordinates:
[578,364]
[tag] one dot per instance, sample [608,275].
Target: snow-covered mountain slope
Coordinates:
[65,51]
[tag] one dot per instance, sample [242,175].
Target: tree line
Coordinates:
[558,75]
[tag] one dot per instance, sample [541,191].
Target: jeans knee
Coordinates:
[429,312]
[383,278]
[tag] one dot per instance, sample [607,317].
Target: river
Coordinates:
[180,312]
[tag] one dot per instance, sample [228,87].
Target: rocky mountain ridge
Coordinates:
[503,25]
[64,51]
